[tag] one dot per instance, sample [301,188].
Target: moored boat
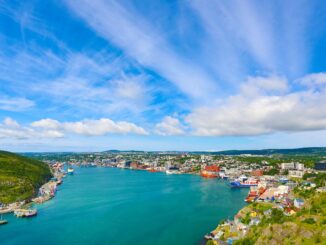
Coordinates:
[210,171]
[152,170]
[173,170]
[25,213]
[244,184]
[70,171]
[208,174]
[3,221]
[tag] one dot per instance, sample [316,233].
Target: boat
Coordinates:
[152,170]
[70,171]
[243,184]
[208,174]
[3,221]
[172,170]
[210,171]
[223,175]
[25,213]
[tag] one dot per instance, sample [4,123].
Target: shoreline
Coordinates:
[45,193]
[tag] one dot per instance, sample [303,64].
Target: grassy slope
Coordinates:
[20,177]
[295,229]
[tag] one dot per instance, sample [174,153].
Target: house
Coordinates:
[299,166]
[268,212]
[257,173]
[292,166]
[253,214]
[298,203]
[254,221]
[296,173]
[321,189]
[281,190]
[287,165]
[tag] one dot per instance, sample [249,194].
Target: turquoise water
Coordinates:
[116,206]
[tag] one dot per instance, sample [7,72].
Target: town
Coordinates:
[279,186]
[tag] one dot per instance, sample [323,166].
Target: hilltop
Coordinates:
[20,177]
[294,151]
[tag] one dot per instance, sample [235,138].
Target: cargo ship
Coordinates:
[210,171]
[208,174]
[244,184]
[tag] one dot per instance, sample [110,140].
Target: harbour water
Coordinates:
[117,206]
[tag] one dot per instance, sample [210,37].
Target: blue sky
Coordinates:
[162,75]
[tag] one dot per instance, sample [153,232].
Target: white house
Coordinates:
[298,203]
[287,165]
[296,173]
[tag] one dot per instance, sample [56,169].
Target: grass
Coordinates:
[20,177]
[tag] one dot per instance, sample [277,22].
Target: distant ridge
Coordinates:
[294,151]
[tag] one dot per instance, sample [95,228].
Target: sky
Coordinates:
[93,75]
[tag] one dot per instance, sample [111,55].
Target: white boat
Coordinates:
[22,213]
[70,171]
[172,170]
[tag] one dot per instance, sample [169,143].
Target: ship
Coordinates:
[70,171]
[172,170]
[25,213]
[223,175]
[152,170]
[244,183]
[210,171]
[208,174]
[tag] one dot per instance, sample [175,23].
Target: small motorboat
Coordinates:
[25,213]
[70,171]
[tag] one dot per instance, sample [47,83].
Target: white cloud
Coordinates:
[46,124]
[314,79]
[15,103]
[11,123]
[262,113]
[169,126]
[260,85]
[13,130]
[50,128]
[102,126]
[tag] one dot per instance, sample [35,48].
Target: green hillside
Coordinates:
[20,177]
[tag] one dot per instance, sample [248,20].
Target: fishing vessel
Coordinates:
[244,183]
[25,213]
[70,171]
